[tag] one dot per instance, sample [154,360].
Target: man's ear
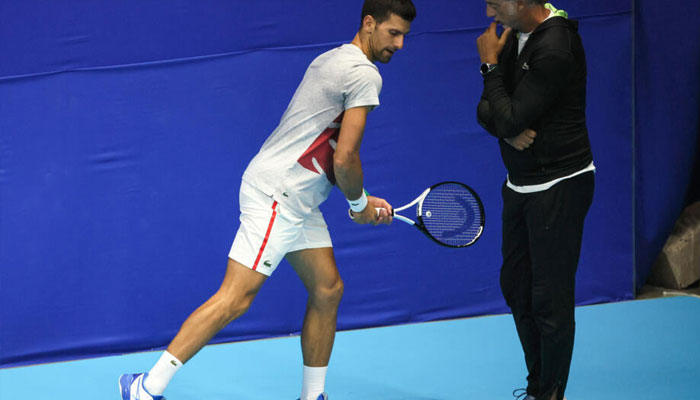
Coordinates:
[368,24]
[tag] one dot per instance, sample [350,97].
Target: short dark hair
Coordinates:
[540,2]
[381,10]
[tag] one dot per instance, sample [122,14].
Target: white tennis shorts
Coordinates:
[268,231]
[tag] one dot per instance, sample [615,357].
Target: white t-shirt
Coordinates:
[295,164]
[524,36]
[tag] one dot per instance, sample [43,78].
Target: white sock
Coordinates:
[160,375]
[314,382]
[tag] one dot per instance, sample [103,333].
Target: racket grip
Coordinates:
[381,208]
[352,217]
[376,208]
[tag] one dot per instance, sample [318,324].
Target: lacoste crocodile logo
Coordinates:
[267,263]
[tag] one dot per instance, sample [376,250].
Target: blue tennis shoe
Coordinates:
[131,388]
[322,396]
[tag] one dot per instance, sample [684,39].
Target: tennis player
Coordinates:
[315,146]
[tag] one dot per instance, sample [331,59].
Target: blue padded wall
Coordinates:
[125,127]
[666,124]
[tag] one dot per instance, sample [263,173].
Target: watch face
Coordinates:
[484,68]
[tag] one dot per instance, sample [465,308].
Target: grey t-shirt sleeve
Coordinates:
[362,87]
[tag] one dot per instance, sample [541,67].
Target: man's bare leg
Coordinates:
[237,291]
[232,300]
[318,272]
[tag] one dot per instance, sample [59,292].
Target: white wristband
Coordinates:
[359,204]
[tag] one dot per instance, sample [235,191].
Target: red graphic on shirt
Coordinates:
[320,153]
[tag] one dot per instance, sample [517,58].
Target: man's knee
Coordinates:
[554,318]
[234,305]
[517,295]
[327,295]
[237,291]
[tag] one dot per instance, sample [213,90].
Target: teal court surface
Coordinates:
[644,349]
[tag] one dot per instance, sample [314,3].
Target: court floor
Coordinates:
[644,349]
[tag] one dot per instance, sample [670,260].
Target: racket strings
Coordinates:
[452,214]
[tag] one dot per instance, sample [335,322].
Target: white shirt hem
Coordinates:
[544,186]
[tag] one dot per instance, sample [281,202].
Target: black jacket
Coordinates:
[543,89]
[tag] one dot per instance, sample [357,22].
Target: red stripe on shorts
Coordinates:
[267,235]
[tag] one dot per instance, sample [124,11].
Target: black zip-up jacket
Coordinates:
[543,89]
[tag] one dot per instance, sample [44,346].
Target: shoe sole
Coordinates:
[124,384]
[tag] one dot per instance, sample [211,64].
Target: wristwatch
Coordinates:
[486,68]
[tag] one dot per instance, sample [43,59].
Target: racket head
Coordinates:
[451,214]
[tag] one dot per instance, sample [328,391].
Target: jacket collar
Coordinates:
[556,21]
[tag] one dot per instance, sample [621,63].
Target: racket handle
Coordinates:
[381,208]
[376,208]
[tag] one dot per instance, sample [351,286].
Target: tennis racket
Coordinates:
[449,213]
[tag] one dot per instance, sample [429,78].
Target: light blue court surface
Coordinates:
[647,349]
